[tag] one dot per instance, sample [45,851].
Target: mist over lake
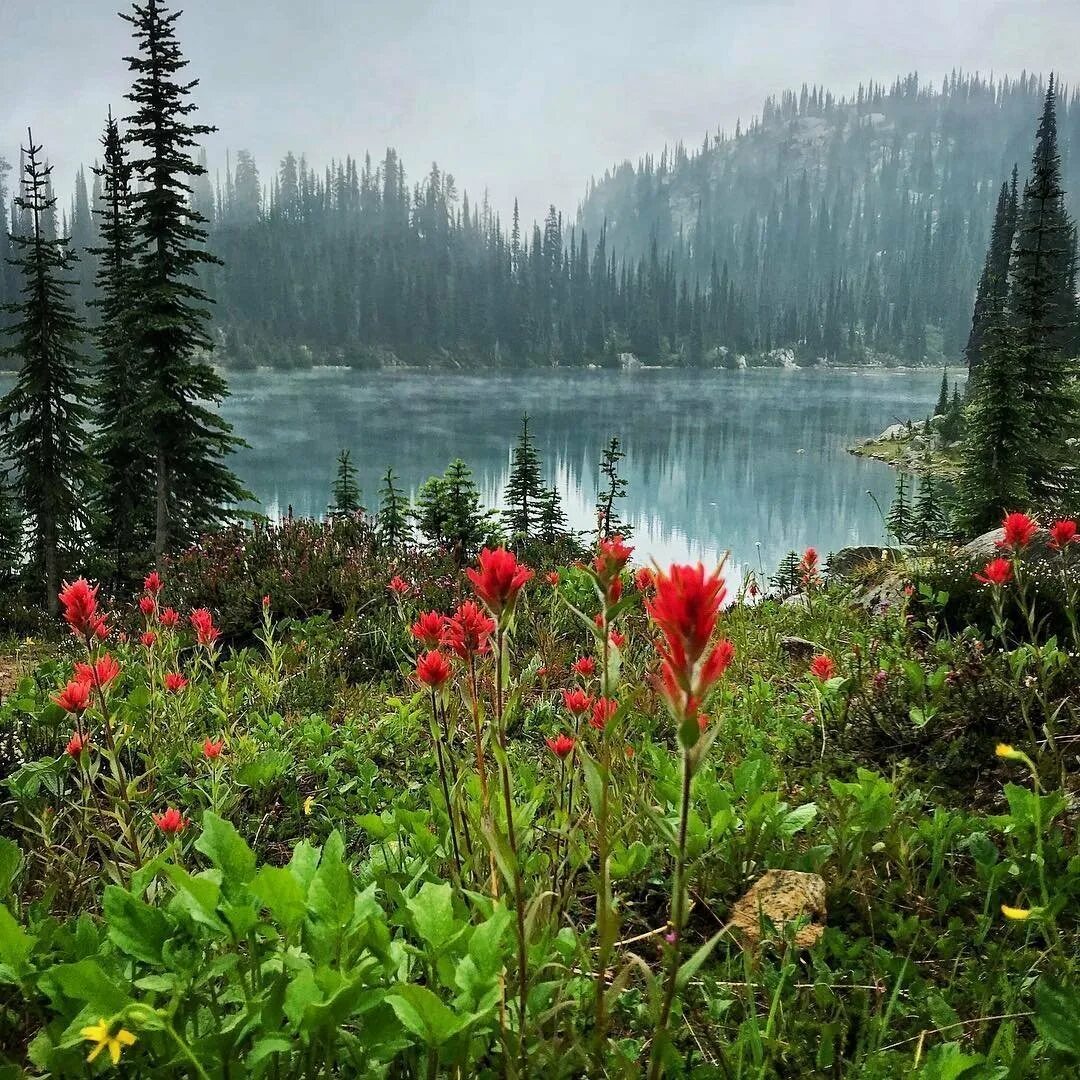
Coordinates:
[716,460]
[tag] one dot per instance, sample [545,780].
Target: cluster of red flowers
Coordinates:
[433,670]
[561,746]
[79,601]
[211,749]
[399,586]
[75,697]
[171,822]
[1019,530]
[685,608]
[809,572]
[996,572]
[498,580]
[1062,534]
[175,682]
[202,622]
[823,667]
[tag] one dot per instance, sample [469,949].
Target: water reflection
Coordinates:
[715,461]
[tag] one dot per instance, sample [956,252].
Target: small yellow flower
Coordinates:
[1016,914]
[101,1034]
[1004,750]
[309,802]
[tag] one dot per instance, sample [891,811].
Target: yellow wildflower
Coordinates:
[1004,750]
[309,802]
[101,1034]
[1017,914]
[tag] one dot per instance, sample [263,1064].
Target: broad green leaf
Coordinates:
[86,981]
[15,942]
[226,849]
[10,861]
[424,1014]
[277,888]
[134,926]
[1057,1016]
[432,909]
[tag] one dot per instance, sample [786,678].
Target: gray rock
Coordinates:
[799,600]
[985,547]
[847,560]
[797,648]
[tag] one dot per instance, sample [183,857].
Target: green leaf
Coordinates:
[424,1014]
[1057,1016]
[226,849]
[690,968]
[10,862]
[134,926]
[798,819]
[86,981]
[432,910]
[15,942]
[486,941]
[198,895]
[277,889]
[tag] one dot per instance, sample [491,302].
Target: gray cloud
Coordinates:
[521,98]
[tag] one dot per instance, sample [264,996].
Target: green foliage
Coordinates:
[392,520]
[345,491]
[450,514]
[608,521]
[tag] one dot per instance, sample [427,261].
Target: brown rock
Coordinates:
[781,897]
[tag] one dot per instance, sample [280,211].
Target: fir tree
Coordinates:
[123,521]
[346,492]
[194,489]
[524,489]
[42,417]
[929,520]
[942,406]
[788,578]
[392,519]
[1042,315]
[608,521]
[899,519]
[450,514]
[553,525]
[11,535]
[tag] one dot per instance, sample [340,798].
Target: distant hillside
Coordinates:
[836,227]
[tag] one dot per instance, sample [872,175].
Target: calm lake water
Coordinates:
[751,462]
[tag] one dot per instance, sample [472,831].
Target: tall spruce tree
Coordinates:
[11,535]
[553,524]
[194,489]
[43,418]
[392,519]
[121,500]
[1042,315]
[524,488]
[608,521]
[993,289]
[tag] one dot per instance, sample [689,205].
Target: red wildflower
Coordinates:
[1062,534]
[1019,530]
[499,579]
[808,568]
[148,638]
[211,749]
[153,583]
[614,555]
[584,667]
[77,744]
[399,586]
[553,577]
[102,672]
[643,579]
[617,640]
[753,590]
[996,572]
[169,618]
[429,629]
[74,698]
[561,746]
[433,670]
[79,599]
[822,667]
[468,629]
[147,604]
[602,711]
[175,682]
[171,822]
[266,602]
[577,701]
[202,622]
[703,722]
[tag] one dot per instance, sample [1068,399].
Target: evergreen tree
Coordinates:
[929,520]
[899,520]
[392,519]
[11,535]
[1042,315]
[525,488]
[123,521]
[608,521]
[346,492]
[553,524]
[788,579]
[193,487]
[942,406]
[450,514]
[42,417]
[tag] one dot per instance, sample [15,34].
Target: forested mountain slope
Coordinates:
[839,228]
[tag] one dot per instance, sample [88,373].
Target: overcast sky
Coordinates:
[521,98]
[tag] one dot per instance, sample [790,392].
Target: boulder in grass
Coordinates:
[854,561]
[781,897]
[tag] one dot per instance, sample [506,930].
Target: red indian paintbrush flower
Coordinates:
[169,618]
[100,673]
[398,585]
[822,667]
[617,640]
[202,622]
[468,630]
[584,667]
[1019,531]
[79,600]
[148,638]
[153,583]
[429,629]
[1062,534]
[577,701]
[808,568]
[499,579]
[74,698]
[614,555]
[553,577]
[147,605]
[433,670]
[175,682]
[643,579]
[171,822]
[211,749]
[77,744]
[996,572]
[602,711]
[561,746]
